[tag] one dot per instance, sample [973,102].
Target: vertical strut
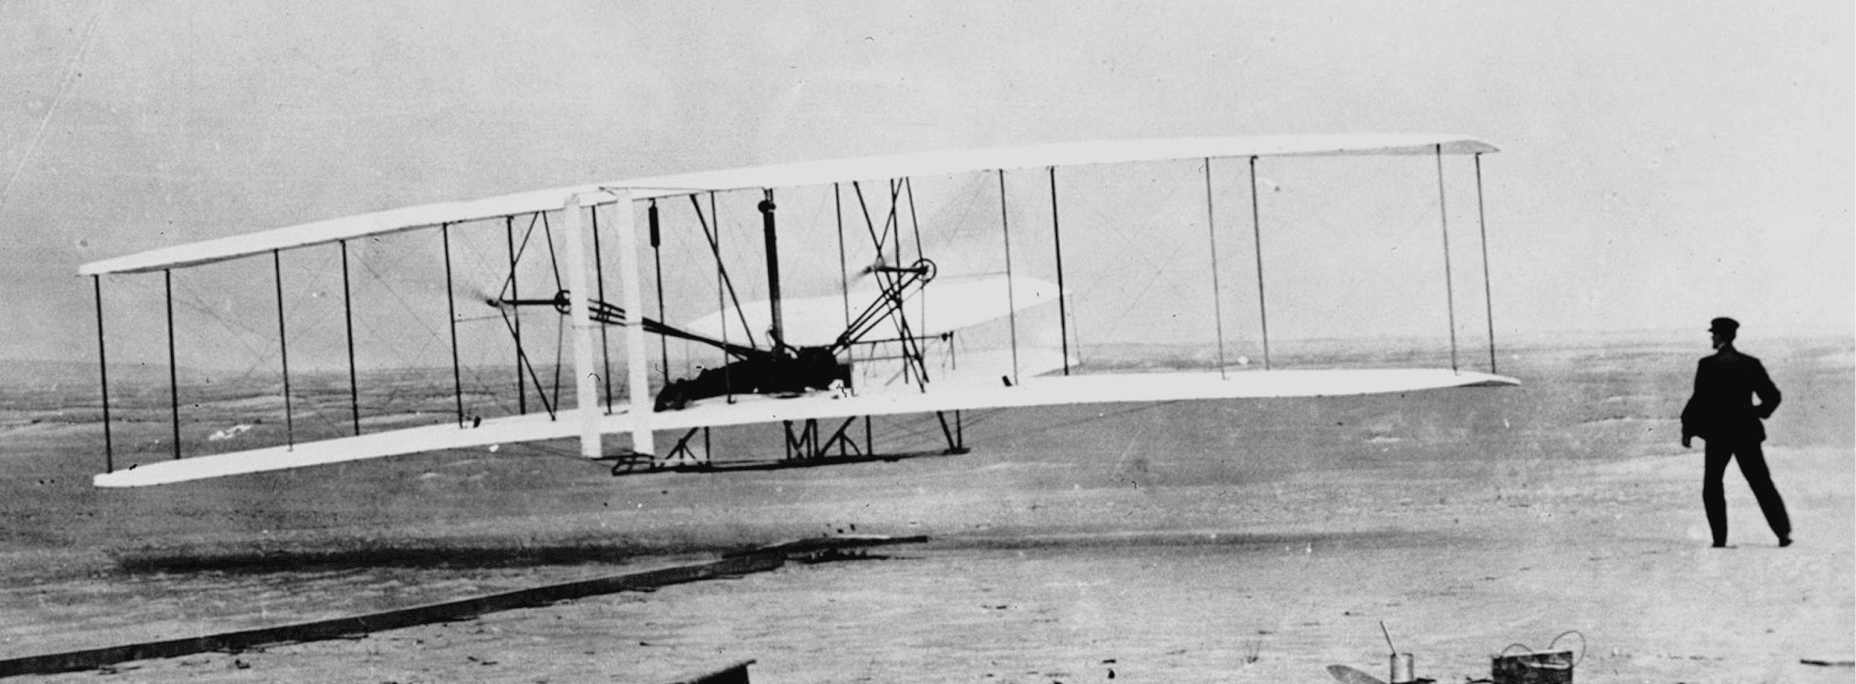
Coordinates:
[1488,298]
[844,277]
[586,394]
[1211,231]
[1011,301]
[1063,310]
[283,348]
[1443,215]
[103,374]
[515,313]
[1256,232]
[721,283]
[167,279]
[599,274]
[638,383]
[766,208]
[657,262]
[354,388]
[451,306]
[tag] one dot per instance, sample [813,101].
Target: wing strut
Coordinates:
[509,236]
[844,276]
[1011,297]
[1256,231]
[1482,224]
[283,348]
[1211,231]
[587,395]
[638,386]
[554,261]
[766,207]
[1056,237]
[451,306]
[721,279]
[167,281]
[657,263]
[599,275]
[103,373]
[1443,217]
[354,388]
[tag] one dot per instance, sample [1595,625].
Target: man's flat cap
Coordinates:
[1723,325]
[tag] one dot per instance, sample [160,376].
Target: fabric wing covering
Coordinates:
[784,176]
[717,412]
[948,304]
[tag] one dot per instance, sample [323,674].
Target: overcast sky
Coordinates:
[1661,163]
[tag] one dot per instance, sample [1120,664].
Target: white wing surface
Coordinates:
[1041,391]
[247,243]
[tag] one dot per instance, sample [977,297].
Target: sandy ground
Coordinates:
[1225,541]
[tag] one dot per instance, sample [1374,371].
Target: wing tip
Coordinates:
[1494,381]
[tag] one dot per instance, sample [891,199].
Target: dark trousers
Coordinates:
[1753,466]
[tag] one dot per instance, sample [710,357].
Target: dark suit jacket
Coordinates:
[1722,408]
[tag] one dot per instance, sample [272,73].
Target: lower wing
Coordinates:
[751,409]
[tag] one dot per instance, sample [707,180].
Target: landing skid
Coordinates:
[806,446]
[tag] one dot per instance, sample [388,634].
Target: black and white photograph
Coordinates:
[825,341]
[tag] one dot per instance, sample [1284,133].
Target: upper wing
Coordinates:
[947,162]
[750,409]
[784,176]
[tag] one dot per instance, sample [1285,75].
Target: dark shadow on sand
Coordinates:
[300,560]
[475,554]
[1311,542]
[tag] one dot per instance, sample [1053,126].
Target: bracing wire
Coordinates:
[554,259]
[721,269]
[193,301]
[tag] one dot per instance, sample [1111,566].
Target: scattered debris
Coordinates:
[1550,666]
[228,433]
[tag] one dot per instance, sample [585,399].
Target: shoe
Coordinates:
[1784,542]
[1720,545]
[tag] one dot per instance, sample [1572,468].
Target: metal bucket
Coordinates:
[1403,667]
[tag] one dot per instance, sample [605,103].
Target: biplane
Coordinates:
[886,344]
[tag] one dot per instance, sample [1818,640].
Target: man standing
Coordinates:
[1722,413]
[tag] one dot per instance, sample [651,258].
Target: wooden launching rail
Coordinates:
[758,560]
